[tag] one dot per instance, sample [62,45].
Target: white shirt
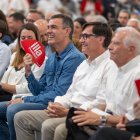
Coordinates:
[5,55]
[88,83]
[13,77]
[121,91]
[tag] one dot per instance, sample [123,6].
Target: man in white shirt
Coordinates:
[87,87]
[121,92]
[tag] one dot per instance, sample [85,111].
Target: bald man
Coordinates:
[42,26]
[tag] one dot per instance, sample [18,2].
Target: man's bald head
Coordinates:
[42,26]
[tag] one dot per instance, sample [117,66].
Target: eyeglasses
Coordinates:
[86,36]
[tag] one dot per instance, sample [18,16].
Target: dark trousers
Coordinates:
[5,96]
[74,132]
[108,133]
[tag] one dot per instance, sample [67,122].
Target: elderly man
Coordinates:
[57,75]
[87,87]
[121,91]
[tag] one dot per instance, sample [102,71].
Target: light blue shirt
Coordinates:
[48,50]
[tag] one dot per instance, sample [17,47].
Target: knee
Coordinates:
[46,126]
[11,110]
[60,132]
[19,117]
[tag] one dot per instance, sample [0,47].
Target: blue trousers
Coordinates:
[7,113]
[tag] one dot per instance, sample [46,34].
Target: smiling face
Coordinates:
[91,44]
[57,33]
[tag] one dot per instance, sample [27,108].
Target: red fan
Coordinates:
[36,49]
[137,82]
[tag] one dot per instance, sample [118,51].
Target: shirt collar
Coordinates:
[65,51]
[131,64]
[99,59]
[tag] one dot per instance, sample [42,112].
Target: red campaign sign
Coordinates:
[137,82]
[36,49]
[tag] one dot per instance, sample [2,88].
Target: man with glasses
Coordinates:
[86,90]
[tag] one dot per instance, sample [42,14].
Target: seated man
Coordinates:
[57,76]
[121,92]
[88,86]
[108,133]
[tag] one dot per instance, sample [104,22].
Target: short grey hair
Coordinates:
[97,18]
[132,37]
[135,20]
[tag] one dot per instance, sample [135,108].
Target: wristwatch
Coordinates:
[103,120]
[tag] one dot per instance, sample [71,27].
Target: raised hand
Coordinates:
[28,62]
